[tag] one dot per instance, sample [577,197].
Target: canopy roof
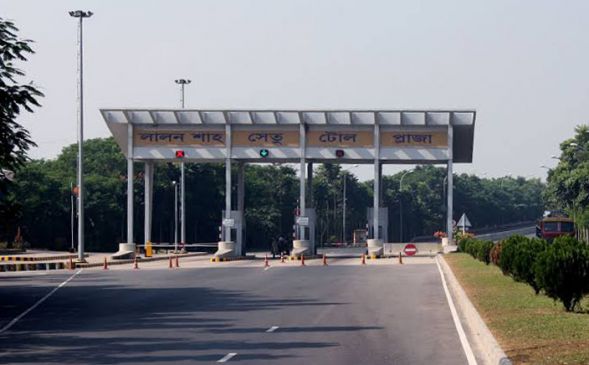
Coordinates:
[463,121]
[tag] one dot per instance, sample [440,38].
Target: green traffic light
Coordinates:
[264,152]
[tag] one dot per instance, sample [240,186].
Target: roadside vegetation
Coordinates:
[559,269]
[568,183]
[531,328]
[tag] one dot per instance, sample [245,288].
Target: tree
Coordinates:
[15,140]
[568,183]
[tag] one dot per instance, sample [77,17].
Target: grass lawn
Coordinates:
[531,329]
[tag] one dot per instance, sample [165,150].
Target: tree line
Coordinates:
[568,183]
[39,200]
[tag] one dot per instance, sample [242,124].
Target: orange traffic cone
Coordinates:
[401,257]
[302,260]
[105,267]
[266,264]
[170,263]
[363,259]
[177,262]
[135,264]
[324,260]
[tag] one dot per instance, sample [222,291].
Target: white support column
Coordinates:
[302,196]
[450,190]
[240,244]
[130,177]
[148,198]
[227,230]
[375,244]
[376,194]
[241,187]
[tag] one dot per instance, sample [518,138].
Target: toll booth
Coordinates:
[383,217]
[237,225]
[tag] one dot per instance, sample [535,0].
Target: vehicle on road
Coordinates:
[555,224]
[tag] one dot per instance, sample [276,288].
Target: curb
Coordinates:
[227,259]
[130,261]
[39,258]
[41,266]
[486,343]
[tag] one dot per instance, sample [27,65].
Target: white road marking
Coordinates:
[13,322]
[465,345]
[267,268]
[272,329]
[227,357]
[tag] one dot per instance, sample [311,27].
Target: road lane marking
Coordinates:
[267,268]
[227,357]
[465,345]
[13,322]
[272,329]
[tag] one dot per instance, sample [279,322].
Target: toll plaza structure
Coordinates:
[290,136]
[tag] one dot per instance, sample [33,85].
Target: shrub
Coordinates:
[524,260]
[464,242]
[483,251]
[472,247]
[495,253]
[562,271]
[508,251]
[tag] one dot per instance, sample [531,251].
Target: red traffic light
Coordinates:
[339,153]
[180,154]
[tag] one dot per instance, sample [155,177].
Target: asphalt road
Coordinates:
[340,314]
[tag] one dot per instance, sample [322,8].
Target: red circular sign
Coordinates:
[410,249]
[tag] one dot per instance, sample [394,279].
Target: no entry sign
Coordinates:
[410,249]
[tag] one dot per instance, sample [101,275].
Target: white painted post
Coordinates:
[450,190]
[148,198]
[130,176]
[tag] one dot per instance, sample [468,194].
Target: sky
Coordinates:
[522,64]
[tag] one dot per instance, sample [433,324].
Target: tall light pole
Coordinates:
[182,83]
[80,14]
[345,177]
[175,215]
[401,205]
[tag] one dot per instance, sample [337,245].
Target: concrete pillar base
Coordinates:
[226,249]
[375,247]
[126,251]
[302,247]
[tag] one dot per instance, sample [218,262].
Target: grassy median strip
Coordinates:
[531,329]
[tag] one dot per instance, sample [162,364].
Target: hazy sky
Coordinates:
[523,65]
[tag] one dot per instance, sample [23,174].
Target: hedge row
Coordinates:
[559,269]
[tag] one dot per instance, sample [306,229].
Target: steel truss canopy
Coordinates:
[391,136]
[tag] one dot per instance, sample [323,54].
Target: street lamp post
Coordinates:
[182,83]
[175,215]
[345,177]
[80,178]
[401,206]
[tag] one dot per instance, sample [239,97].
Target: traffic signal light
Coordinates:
[180,154]
[339,153]
[264,153]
